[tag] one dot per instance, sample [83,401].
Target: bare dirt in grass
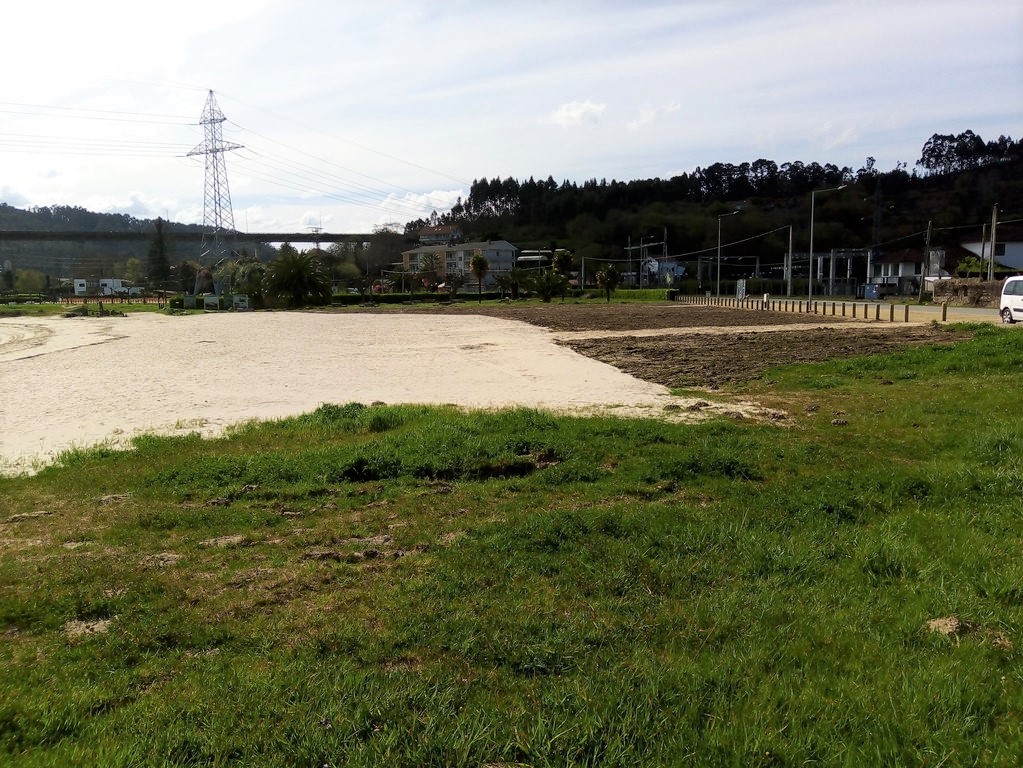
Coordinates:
[709,360]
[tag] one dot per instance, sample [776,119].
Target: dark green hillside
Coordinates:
[954,184]
[83,258]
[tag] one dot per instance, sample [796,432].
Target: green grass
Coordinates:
[48,309]
[422,586]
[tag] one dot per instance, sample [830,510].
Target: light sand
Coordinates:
[79,382]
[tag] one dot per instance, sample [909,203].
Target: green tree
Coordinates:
[133,271]
[385,247]
[517,277]
[31,281]
[547,283]
[454,283]
[429,269]
[562,265]
[297,278]
[187,271]
[967,266]
[608,278]
[158,268]
[224,276]
[248,279]
[479,266]
[504,282]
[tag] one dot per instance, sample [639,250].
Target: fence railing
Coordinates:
[866,310]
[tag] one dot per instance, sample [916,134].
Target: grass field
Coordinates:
[51,309]
[421,586]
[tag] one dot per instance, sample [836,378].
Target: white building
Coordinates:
[107,286]
[455,259]
[118,286]
[1007,253]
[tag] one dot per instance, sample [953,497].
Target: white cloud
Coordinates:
[830,136]
[576,113]
[135,203]
[647,115]
[11,196]
[311,219]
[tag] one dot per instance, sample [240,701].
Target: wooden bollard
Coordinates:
[854,310]
[944,304]
[877,311]
[906,319]
[891,313]
[832,309]
[843,309]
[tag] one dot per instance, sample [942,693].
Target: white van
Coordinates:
[1010,306]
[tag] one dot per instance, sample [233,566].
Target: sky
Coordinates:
[356,114]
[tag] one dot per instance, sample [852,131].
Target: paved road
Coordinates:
[955,314]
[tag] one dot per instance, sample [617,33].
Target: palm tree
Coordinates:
[249,279]
[504,282]
[546,283]
[429,269]
[297,277]
[517,277]
[479,266]
[608,278]
[562,264]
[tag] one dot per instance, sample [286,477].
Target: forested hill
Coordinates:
[64,217]
[60,259]
[954,184]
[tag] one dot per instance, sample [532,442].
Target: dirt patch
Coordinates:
[161,559]
[714,359]
[703,346]
[27,516]
[234,540]
[76,628]
[623,317]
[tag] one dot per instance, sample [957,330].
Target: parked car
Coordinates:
[1010,306]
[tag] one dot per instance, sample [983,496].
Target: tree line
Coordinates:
[546,201]
[597,218]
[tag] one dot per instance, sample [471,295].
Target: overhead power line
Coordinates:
[349,141]
[337,165]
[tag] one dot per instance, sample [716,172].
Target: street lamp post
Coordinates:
[813,195]
[721,216]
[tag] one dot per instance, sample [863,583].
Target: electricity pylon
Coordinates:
[217,216]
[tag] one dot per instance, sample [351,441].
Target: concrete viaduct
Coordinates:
[181,237]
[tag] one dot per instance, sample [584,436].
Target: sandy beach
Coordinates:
[84,381]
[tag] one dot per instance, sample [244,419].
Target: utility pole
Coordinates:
[927,261]
[788,287]
[983,245]
[994,241]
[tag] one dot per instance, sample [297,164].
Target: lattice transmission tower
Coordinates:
[217,216]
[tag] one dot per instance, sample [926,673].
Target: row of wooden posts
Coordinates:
[838,308]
